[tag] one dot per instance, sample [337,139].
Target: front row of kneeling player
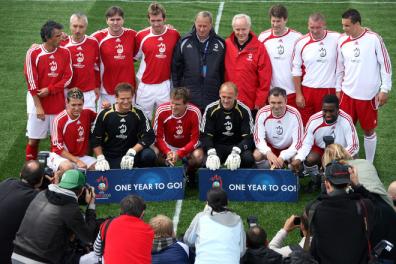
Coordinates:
[122,136]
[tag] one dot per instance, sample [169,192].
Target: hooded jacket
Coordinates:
[189,58]
[50,220]
[218,237]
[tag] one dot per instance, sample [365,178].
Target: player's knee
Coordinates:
[257,155]
[197,156]
[33,142]
[368,132]
[65,165]
[148,157]
[312,159]
[247,160]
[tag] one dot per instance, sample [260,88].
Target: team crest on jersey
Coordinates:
[322,52]
[281,49]
[123,130]
[80,134]
[53,67]
[179,132]
[216,47]
[356,52]
[80,59]
[161,51]
[279,130]
[249,57]
[119,50]
[228,128]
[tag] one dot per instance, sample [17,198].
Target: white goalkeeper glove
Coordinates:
[128,160]
[213,161]
[233,161]
[101,163]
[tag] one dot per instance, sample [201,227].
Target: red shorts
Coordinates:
[317,150]
[313,101]
[291,100]
[366,111]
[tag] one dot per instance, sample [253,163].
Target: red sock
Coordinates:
[31,152]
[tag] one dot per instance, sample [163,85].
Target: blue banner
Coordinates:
[251,184]
[152,184]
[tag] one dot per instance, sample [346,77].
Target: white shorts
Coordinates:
[54,161]
[89,99]
[105,97]
[150,95]
[37,128]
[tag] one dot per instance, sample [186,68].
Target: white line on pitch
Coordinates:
[218,17]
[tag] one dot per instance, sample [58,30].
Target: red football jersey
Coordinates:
[48,69]
[156,53]
[72,135]
[177,132]
[85,63]
[116,58]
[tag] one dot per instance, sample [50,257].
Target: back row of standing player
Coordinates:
[305,66]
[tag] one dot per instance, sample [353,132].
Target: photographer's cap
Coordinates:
[72,179]
[337,173]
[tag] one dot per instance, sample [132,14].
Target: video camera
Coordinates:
[328,140]
[42,159]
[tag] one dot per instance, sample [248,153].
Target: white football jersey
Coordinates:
[363,66]
[316,60]
[280,50]
[343,131]
[284,133]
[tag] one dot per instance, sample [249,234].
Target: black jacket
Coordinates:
[339,233]
[261,255]
[188,59]
[50,220]
[15,197]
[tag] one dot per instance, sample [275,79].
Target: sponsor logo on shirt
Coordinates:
[123,130]
[249,57]
[53,67]
[179,132]
[80,59]
[80,134]
[120,50]
[228,128]
[161,51]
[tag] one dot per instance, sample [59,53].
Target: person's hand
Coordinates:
[382,98]
[105,104]
[81,164]
[90,195]
[300,100]
[212,161]
[172,158]
[128,160]
[40,113]
[296,164]
[273,160]
[233,161]
[353,176]
[101,163]
[289,224]
[43,92]
[170,26]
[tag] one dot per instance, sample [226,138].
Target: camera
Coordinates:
[252,221]
[328,140]
[42,157]
[297,220]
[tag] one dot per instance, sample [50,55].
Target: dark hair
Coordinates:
[256,237]
[279,11]
[331,99]
[132,205]
[46,31]
[74,93]
[276,91]
[124,87]
[114,10]
[353,15]
[181,93]
[217,199]
[156,9]
[32,172]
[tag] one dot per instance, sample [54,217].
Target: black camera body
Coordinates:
[42,157]
[328,140]
[252,221]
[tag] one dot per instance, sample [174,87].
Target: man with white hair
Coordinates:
[247,64]
[84,51]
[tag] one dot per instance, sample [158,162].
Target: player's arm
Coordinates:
[31,75]
[159,132]
[298,131]
[208,129]
[385,70]
[97,71]
[297,73]
[307,143]
[351,136]
[194,140]
[145,135]
[259,133]
[67,75]
[264,72]
[177,65]
[340,69]
[246,130]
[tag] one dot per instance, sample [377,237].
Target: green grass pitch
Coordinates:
[22,20]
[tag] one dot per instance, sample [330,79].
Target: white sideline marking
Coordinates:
[230,1]
[218,17]
[179,203]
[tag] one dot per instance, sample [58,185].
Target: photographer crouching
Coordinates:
[52,219]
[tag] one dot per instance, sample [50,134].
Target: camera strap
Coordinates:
[362,210]
[103,232]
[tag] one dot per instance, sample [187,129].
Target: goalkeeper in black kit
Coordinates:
[122,134]
[227,129]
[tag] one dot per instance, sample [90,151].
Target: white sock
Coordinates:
[370,144]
